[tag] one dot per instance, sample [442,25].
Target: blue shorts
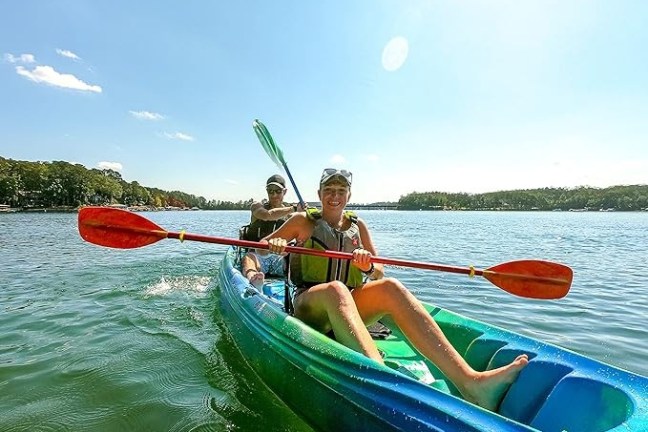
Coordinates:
[272,264]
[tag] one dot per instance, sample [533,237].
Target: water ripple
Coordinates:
[103,339]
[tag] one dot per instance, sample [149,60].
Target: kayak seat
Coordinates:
[481,350]
[459,335]
[506,355]
[527,394]
[608,405]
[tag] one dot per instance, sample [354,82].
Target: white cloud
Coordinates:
[22,58]
[68,54]
[178,136]
[115,166]
[146,115]
[47,75]
[395,53]
[232,182]
[338,159]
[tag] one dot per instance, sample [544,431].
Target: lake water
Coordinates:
[101,339]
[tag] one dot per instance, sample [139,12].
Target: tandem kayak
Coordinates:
[335,388]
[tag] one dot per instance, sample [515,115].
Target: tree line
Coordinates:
[622,198]
[59,184]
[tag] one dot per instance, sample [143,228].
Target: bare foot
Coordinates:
[488,388]
[256,279]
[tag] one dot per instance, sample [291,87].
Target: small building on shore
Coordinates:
[6,208]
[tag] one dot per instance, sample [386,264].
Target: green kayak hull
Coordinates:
[334,388]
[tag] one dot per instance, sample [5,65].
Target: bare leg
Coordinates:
[251,269]
[256,279]
[389,296]
[331,306]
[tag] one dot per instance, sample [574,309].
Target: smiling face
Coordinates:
[334,195]
[275,195]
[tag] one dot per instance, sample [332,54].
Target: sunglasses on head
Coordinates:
[273,191]
[331,172]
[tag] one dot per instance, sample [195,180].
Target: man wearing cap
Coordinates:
[265,218]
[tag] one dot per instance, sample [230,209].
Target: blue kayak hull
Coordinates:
[334,388]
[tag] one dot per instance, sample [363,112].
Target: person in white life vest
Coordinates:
[330,296]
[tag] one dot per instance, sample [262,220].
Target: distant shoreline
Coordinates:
[351,207]
[66,209]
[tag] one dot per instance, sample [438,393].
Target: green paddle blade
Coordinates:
[275,153]
[268,143]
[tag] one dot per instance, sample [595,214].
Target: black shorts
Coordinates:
[303,287]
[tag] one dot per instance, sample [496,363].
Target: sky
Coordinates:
[411,96]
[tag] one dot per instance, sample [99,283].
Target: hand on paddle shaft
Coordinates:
[123,229]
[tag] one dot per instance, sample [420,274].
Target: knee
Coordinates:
[339,292]
[246,263]
[394,284]
[396,290]
[337,288]
[250,260]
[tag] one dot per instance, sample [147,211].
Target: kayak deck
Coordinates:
[544,388]
[558,390]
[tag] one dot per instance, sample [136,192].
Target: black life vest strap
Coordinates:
[289,308]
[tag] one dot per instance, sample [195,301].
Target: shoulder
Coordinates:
[298,225]
[301,221]
[362,224]
[255,207]
[300,217]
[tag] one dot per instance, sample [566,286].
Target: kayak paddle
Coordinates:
[275,153]
[123,229]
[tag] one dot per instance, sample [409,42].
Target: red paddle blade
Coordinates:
[115,228]
[122,229]
[532,278]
